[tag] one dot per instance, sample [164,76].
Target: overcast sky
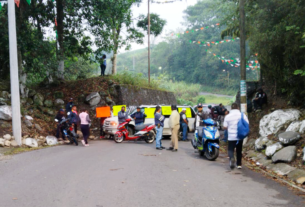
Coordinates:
[172,12]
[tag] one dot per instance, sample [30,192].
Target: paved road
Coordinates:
[132,174]
[214,94]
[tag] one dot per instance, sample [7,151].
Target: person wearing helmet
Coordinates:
[200,116]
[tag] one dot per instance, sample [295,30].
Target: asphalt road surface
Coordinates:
[132,174]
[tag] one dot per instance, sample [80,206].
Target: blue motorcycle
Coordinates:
[206,140]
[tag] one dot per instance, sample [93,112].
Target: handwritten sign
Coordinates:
[188,112]
[166,110]
[150,113]
[103,112]
[117,108]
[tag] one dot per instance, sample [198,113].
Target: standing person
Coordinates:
[103,65]
[73,117]
[260,99]
[85,126]
[69,105]
[230,124]
[174,124]
[159,122]
[139,116]
[102,133]
[184,124]
[122,115]
[60,116]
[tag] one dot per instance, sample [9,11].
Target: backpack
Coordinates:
[243,128]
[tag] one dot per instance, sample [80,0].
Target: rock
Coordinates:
[6,113]
[58,94]
[61,142]
[273,122]
[113,91]
[260,143]
[294,126]
[32,93]
[264,162]
[2,141]
[28,123]
[7,143]
[250,144]
[301,180]
[269,143]
[5,95]
[93,99]
[92,137]
[108,100]
[48,103]
[59,102]
[286,154]
[30,142]
[51,140]
[28,117]
[7,137]
[282,169]
[38,99]
[302,127]
[270,150]
[289,138]
[14,143]
[3,101]
[103,94]
[296,174]
[37,126]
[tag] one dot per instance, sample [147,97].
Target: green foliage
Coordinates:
[201,99]
[156,24]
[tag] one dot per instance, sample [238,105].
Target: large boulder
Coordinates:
[113,91]
[2,141]
[281,168]
[30,142]
[302,127]
[51,140]
[59,102]
[261,143]
[48,103]
[93,98]
[7,143]
[7,137]
[14,143]
[272,149]
[6,113]
[38,99]
[294,126]
[289,138]
[273,122]
[297,175]
[286,154]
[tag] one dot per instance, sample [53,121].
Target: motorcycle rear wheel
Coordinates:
[212,155]
[118,139]
[152,137]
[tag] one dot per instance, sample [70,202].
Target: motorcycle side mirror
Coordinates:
[68,113]
[56,120]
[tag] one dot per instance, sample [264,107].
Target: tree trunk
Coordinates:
[113,59]
[60,32]
[22,77]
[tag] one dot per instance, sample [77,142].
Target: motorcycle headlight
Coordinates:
[217,135]
[208,134]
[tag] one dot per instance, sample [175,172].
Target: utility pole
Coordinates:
[148,17]
[15,94]
[243,87]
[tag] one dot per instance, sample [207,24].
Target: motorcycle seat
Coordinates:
[200,131]
[142,126]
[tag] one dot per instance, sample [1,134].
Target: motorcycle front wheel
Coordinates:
[118,139]
[212,155]
[151,139]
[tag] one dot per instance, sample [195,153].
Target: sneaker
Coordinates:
[86,145]
[83,142]
[170,148]
[174,150]
[239,167]
[162,147]
[232,165]
[159,148]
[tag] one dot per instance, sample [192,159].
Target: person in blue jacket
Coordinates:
[159,122]
[69,105]
[73,117]
[122,115]
[139,116]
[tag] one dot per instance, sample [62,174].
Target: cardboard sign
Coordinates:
[188,112]
[117,108]
[102,112]
[166,110]
[150,113]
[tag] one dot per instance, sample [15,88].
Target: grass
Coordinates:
[18,150]
[210,99]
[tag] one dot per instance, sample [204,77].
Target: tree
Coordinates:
[111,24]
[156,23]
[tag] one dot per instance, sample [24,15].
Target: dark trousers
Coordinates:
[102,133]
[239,147]
[103,68]
[60,130]
[258,103]
[86,132]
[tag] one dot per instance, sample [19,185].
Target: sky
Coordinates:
[171,12]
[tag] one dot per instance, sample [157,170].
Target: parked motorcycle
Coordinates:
[206,140]
[68,130]
[144,132]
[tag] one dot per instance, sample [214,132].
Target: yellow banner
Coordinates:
[166,110]
[117,108]
[188,112]
[150,113]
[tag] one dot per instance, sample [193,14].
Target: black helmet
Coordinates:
[174,107]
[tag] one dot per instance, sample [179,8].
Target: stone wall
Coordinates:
[130,95]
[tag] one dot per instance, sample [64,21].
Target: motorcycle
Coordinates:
[144,132]
[206,140]
[68,130]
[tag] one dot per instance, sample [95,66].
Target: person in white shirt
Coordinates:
[230,124]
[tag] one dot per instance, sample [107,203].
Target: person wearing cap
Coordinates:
[184,124]
[139,116]
[200,116]
[174,124]
[69,105]
[60,116]
[122,115]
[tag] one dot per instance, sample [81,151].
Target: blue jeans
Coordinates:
[225,138]
[159,136]
[184,131]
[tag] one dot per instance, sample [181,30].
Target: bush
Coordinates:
[201,99]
